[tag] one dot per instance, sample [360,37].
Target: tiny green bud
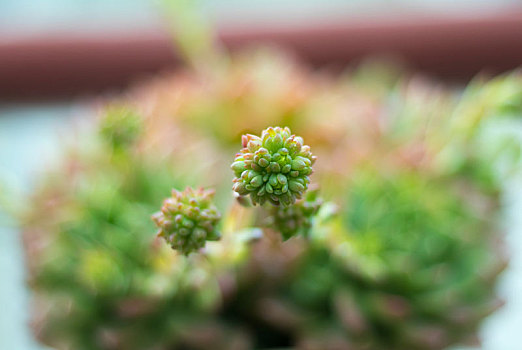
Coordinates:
[257,181]
[281,179]
[295,186]
[263,162]
[298,164]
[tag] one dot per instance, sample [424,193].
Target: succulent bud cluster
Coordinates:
[274,167]
[188,219]
[296,219]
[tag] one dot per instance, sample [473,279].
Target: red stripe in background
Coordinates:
[455,48]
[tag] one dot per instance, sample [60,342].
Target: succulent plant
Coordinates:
[120,126]
[409,262]
[409,265]
[296,219]
[274,167]
[419,262]
[188,219]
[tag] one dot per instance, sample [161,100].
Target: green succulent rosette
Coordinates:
[274,167]
[188,219]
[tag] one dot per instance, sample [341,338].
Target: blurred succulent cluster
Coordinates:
[408,260]
[296,219]
[412,264]
[121,126]
[407,266]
